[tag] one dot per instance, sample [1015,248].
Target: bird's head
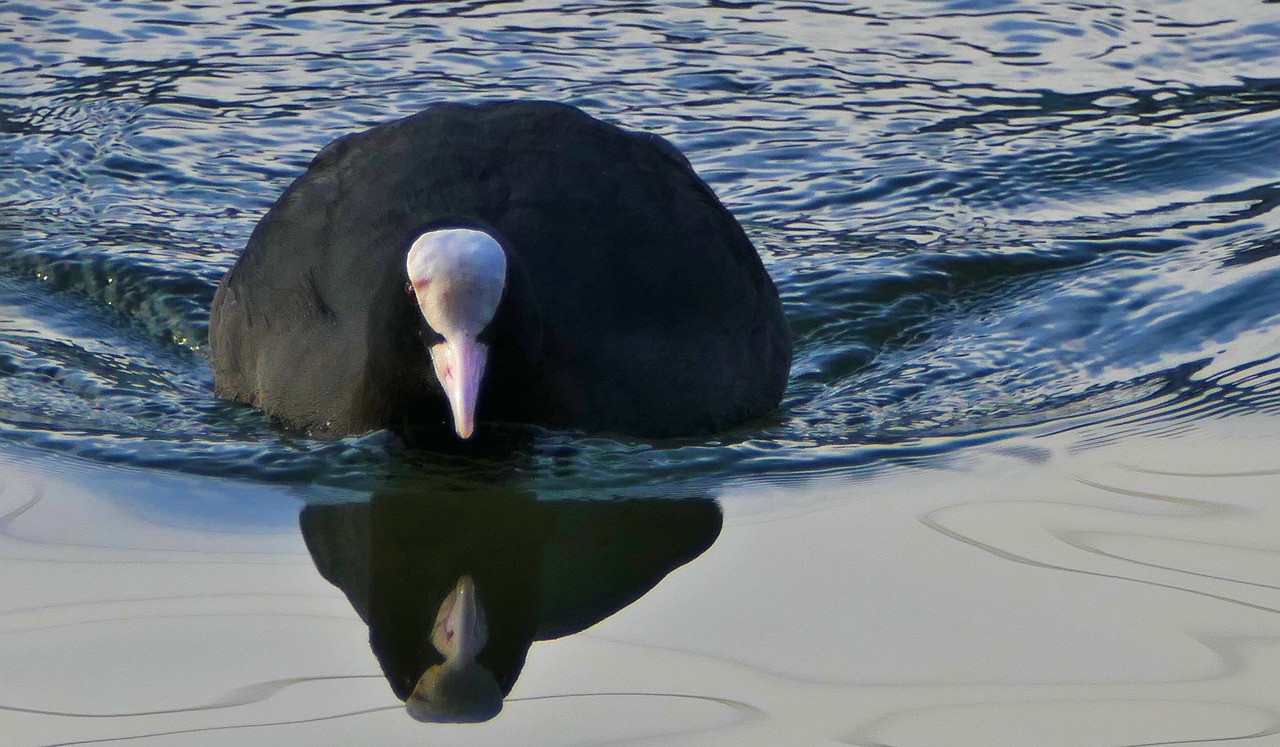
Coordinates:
[457,277]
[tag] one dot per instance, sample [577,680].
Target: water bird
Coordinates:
[500,262]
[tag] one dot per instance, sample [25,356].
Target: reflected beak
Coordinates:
[459,367]
[460,630]
[458,690]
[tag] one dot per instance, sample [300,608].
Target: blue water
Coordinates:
[985,218]
[1006,233]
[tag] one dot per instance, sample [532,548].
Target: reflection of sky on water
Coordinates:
[1114,593]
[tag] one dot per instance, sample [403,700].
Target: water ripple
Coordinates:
[984,219]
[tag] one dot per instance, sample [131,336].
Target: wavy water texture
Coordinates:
[985,219]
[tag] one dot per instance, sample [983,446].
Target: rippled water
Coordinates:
[988,220]
[982,217]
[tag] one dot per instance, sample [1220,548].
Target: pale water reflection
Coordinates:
[1032,592]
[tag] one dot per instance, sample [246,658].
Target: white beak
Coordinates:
[459,366]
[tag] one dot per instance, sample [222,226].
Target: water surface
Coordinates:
[1032,232]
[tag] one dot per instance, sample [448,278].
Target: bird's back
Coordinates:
[659,315]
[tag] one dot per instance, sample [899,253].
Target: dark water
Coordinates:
[988,220]
[984,217]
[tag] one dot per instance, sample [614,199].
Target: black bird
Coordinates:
[508,261]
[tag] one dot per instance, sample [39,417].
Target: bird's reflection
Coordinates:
[456,584]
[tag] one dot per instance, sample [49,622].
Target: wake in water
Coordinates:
[970,242]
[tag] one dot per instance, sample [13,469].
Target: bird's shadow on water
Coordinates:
[456,577]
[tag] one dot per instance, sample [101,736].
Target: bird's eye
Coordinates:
[408,290]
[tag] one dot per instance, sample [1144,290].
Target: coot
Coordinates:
[500,262]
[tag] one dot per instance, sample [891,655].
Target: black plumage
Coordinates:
[634,302]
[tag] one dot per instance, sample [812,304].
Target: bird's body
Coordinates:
[633,301]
